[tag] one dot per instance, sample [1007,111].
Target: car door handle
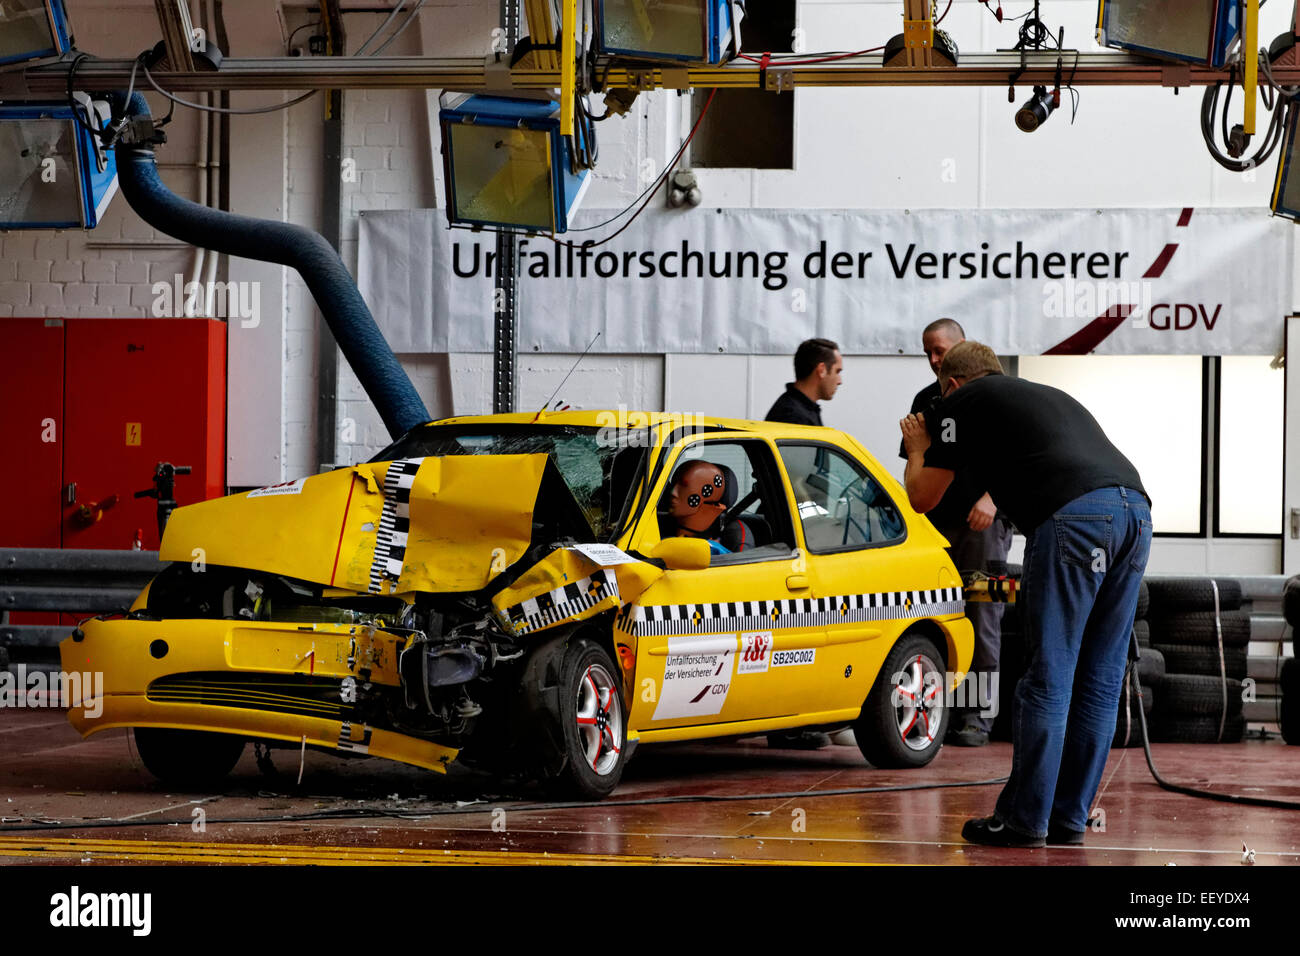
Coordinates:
[796,582]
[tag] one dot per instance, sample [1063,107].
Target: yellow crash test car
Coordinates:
[537,595]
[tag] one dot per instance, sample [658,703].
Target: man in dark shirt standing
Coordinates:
[817,368]
[978,539]
[1087,524]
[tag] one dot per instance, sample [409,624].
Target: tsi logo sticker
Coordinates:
[789,658]
[75,909]
[755,653]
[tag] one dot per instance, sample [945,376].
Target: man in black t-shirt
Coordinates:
[1087,525]
[817,368]
[978,539]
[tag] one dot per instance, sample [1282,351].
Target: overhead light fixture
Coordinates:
[1286,186]
[31,29]
[507,165]
[689,31]
[54,173]
[1195,32]
[1037,109]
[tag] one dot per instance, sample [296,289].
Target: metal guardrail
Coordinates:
[72,581]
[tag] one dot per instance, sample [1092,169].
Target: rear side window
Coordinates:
[840,505]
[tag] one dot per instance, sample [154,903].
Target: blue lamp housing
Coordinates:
[507,165]
[688,31]
[53,173]
[1192,31]
[1286,187]
[31,29]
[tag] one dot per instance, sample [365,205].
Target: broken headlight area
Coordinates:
[447,648]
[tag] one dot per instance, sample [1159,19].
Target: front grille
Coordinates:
[278,693]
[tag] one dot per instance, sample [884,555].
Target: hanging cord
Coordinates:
[1192,791]
[1223,665]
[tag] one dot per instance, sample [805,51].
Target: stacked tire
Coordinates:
[1011,664]
[1150,669]
[1200,692]
[1291,701]
[1290,676]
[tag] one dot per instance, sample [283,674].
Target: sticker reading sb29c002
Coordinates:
[804,655]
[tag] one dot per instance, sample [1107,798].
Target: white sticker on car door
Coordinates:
[697,677]
[755,653]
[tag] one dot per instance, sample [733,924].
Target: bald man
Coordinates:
[979,539]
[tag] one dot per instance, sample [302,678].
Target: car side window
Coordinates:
[840,505]
[753,519]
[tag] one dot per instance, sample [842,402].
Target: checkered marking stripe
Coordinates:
[394,523]
[675,619]
[346,742]
[563,603]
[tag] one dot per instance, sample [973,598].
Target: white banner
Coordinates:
[1026,282]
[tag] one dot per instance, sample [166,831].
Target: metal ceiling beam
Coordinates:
[177,32]
[468,73]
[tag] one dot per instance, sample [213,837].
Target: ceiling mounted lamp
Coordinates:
[32,30]
[54,172]
[1192,32]
[507,166]
[686,31]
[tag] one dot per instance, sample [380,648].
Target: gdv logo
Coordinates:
[1182,317]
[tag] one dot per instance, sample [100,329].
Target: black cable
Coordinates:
[647,194]
[1193,791]
[288,44]
[375,813]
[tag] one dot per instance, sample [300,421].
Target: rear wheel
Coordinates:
[187,758]
[904,719]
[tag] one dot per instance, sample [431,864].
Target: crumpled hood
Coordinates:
[425,524]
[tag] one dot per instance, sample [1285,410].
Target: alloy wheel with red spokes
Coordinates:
[599,716]
[918,699]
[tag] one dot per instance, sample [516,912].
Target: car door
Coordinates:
[871,584]
[706,640]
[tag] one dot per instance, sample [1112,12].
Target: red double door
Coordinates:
[88,408]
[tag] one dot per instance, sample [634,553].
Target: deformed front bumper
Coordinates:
[279,681]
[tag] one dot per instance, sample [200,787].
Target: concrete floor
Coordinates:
[47,773]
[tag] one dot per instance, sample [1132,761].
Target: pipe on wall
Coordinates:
[331,285]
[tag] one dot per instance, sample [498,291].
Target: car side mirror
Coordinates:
[682,554]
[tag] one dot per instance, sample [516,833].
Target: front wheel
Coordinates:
[592,724]
[904,719]
[187,758]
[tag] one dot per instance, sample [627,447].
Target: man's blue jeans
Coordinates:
[1082,570]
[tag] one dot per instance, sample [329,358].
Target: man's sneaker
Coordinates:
[1063,836]
[970,735]
[990,831]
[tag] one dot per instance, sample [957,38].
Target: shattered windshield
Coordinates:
[598,470]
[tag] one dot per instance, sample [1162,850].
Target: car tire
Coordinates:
[1203,659]
[1201,627]
[187,758]
[1290,717]
[1184,729]
[1142,631]
[1175,595]
[1291,601]
[1144,601]
[891,733]
[1151,665]
[1128,726]
[589,749]
[1199,695]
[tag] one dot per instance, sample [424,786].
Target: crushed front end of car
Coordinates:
[419,608]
